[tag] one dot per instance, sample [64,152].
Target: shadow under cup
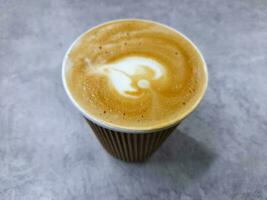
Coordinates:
[128,145]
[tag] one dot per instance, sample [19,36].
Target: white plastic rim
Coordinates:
[115,127]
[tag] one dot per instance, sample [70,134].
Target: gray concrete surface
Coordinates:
[48,152]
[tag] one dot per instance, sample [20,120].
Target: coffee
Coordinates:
[135,74]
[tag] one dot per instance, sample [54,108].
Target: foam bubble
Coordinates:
[143,84]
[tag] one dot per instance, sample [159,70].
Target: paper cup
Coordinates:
[131,147]
[129,144]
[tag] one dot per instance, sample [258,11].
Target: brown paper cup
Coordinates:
[128,144]
[131,147]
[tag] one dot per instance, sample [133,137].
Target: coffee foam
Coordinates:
[131,74]
[135,74]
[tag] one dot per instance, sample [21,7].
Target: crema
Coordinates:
[135,74]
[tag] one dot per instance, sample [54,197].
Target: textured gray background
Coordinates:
[47,151]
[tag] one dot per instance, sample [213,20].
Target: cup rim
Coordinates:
[115,127]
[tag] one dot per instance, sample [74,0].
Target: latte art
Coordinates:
[135,74]
[131,75]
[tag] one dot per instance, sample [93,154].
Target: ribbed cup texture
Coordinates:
[130,147]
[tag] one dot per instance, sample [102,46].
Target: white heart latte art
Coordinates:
[121,73]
